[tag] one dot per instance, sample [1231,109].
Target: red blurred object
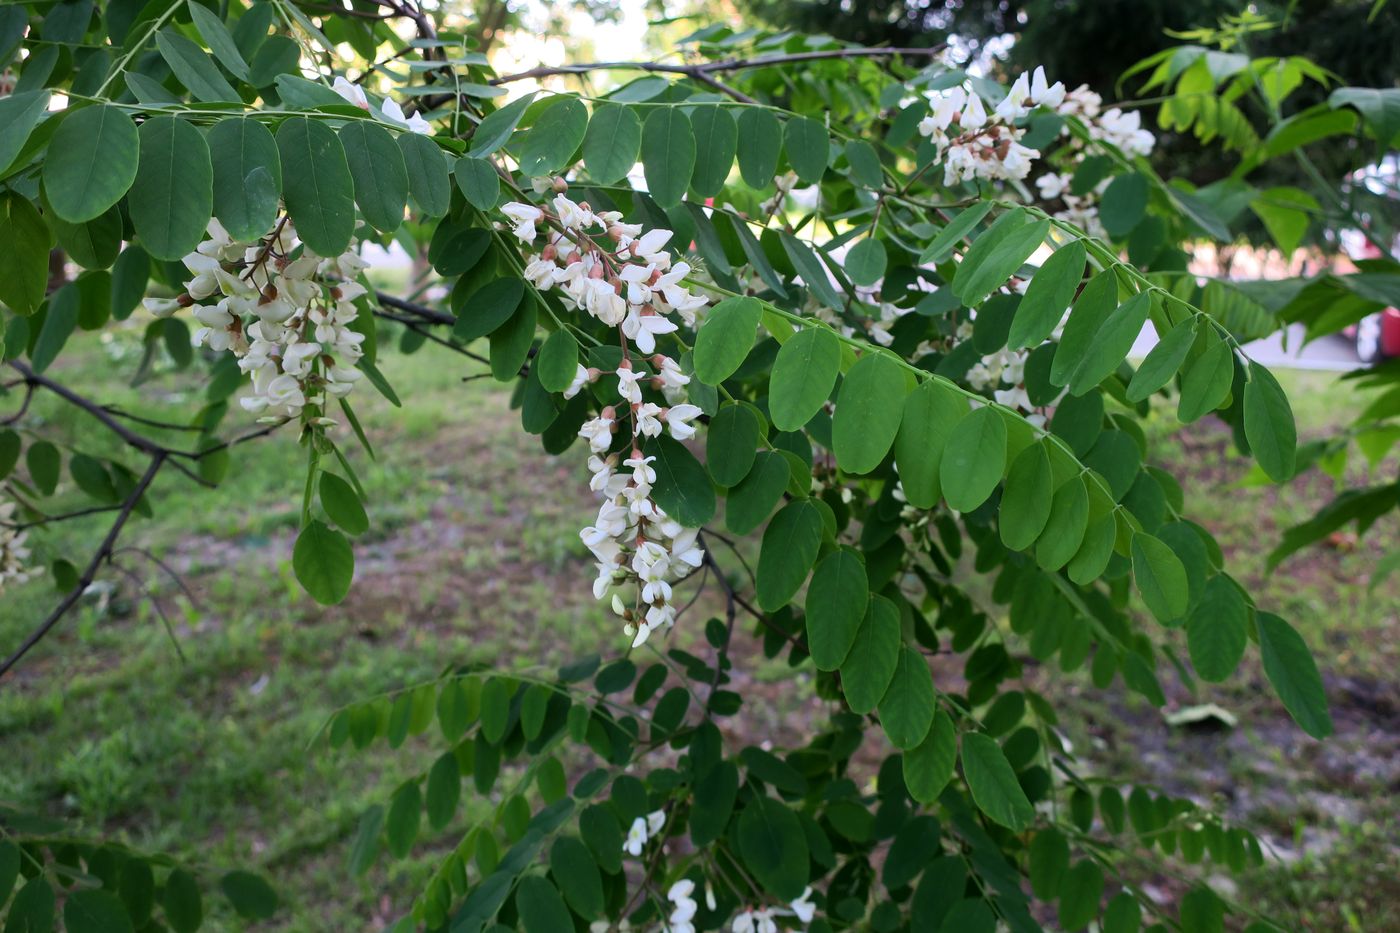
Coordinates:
[1377,336]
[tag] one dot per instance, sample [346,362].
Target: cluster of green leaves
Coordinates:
[878,474]
[107,887]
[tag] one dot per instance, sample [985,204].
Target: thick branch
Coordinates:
[104,552]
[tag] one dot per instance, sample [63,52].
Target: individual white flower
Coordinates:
[598,433]
[1052,185]
[642,327]
[581,379]
[803,908]
[636,838]
[629,383]
[525,217]
[685,906]
[648,422]
[678,418]
[161,307]
[974,115]
[353,93]
[1043,95]
[1016,103]
[394,114]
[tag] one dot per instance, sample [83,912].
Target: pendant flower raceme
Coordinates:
[286,313]
[624,278]
[13,552]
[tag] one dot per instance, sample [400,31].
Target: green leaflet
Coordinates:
[1094,552]
[928,766]
[869,666]
[493,131]
[668,154]
[906,709]
[993,784]
[808,148]
[557,361]
[760,146]
[195,69]
[802,378]
[1111,344]
[323,562]
[612,142]
[1064,529]
[836,602]
[429,186]
[960,226]
[995,256]
[541,907]
[865,263]
[1048,296]
[1207,381]
[19,113]
[172,197]
[1080,893]
[1218,629]
[24,254]
[550,143]
[1268,424]
[91,162]
[773,846]
[318,188]
[247,177]
[1096,302]
[1291,669]
[731,444]
[1124,204]
[577,875]
[489,307]
[716,140]
[1160,578]
[974,459]
[1025,502]
[725,338]
[868,412]
[931,412]
[379,172]
[1163,361]
[682,487]
[478,182]
[789,548]
[750,502]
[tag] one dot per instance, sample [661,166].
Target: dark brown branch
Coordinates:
[704,72]
[104,552]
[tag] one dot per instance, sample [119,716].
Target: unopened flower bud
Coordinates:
[559,185]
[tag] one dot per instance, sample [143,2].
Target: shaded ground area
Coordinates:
[473,557]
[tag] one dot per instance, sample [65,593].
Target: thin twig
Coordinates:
[104,552]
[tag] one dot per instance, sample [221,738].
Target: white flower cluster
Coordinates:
[987,145]
[13,552]
[1112,126]
[284,311]
[631,284]
[389,110]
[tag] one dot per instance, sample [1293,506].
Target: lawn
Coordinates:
[209,750]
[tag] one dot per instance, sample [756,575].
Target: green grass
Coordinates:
[473,556]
